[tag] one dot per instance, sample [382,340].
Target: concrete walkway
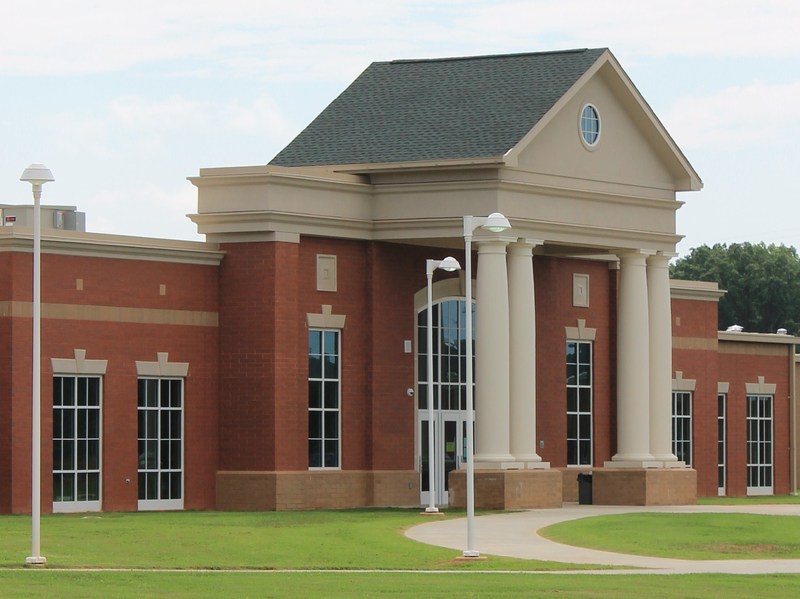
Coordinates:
[515,535]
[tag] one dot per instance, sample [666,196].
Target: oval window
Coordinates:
[590,125]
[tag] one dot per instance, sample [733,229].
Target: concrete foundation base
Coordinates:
[507,489]
[644,486]
[316,490]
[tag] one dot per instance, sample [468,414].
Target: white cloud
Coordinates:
[317,38]
[261,115]
[738,116]
[132,211]
[175,111]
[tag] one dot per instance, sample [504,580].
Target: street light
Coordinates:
[37,175]
[449,264]
[496,223]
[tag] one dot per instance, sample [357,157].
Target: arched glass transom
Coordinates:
[449,355]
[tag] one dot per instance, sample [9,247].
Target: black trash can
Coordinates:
[585,488]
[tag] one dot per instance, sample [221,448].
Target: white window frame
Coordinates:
[758,445]
[722,440]
[162,411]
[79,367]
[682,442]
[577,414]
[323,381]
[76,505]
[584,132]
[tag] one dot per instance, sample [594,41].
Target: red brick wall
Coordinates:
[694,319]
[247,331]
[123,283]
[6,413]
[694,332]
[398,272]
[738,369]
[554,312]
[352,300]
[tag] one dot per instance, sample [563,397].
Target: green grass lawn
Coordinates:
[337,553]
[685,536]
[347,539]
[762,500]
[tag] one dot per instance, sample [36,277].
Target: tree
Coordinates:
[762,281]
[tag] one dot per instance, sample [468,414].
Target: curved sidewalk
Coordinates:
[515,535]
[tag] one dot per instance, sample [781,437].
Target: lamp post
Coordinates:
[449,264]
[37,175]
[495,223]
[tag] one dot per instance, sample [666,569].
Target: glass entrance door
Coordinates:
[448,455]
[449,391]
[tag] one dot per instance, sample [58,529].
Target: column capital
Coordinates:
[522,244]
[659,260]
[634,253]
[493,245]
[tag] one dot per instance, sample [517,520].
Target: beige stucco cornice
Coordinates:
[98,245]
[251,205]
[743,337]
[695,290]
[254,175]
[230,225]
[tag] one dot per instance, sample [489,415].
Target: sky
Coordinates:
[125,100]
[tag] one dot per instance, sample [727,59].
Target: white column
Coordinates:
[491,358]
[633,366]
[522,363]
[658,300]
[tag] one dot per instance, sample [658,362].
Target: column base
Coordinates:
[631,486]
[507,489]
[650,463]
[495,462]
[534,465]
[673,464]
[653,463]
[530,461]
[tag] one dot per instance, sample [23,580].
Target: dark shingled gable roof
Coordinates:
[439,109]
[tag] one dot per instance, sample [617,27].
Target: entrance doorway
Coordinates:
[449,433]
[449,397]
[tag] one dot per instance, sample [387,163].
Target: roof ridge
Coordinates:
[489,56]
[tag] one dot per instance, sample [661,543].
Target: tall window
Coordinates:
[682,426]
[759,444]
[76,443]
[324,392]
[579,403]
[721,407]
[449,356]
[160,445]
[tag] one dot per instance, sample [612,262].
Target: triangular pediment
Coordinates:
[634,148]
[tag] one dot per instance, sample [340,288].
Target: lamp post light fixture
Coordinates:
[449,264]
[496,223]
[37,175]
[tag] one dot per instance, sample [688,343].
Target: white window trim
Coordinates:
[722,441]
[590,334]
[681,417]
[767,490]
[72,507]
[338,331]
[590,146]
[150,505]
